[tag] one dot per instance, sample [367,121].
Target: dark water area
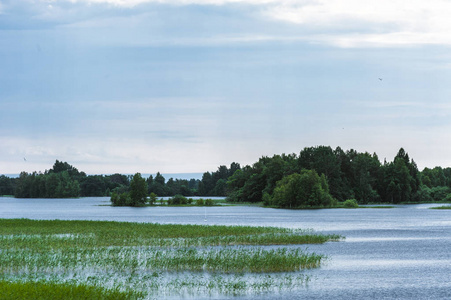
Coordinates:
[398,253]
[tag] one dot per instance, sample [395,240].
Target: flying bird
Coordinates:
[24,159]
[380,79]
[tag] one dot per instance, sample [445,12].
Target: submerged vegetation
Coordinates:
[153,258]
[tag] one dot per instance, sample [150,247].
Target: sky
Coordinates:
[187,85]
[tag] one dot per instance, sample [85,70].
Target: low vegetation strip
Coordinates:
[441,207]
[48,290]
[216,260]
[68,234]
[140,257]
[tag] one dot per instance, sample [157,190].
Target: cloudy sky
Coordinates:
[188,85]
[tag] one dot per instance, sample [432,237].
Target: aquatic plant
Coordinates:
[51,290]
[144,257]
[441,207]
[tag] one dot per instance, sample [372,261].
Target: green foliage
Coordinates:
[215,184]
[324,160]
[401,179]
[434,194]
[114,199]
[6,185]
[94,186]
[152,198]
[135,257]
[349,174]
[122,199]
[306,189]
[209,202]
[49,185]
[442,207]
[448,198]
[157,185]
[350,203]
[138,190]
[200,202]
[179,200]
[48,234]
[49,290]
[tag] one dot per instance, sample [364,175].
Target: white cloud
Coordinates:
[353,23]
[341,23]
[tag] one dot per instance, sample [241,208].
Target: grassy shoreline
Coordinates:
[153,258]
[441,207]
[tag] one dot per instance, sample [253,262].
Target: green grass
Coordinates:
[378,206]
[88,234]
[143,257]
[54,291]
[441,207]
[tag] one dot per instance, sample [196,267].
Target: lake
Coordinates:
[398,253]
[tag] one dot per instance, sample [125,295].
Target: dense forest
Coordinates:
[342,174]
[65,181]
[318,176]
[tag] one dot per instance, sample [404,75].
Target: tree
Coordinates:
[401,179]
[364,170]
[6,185]
[157,185]
[23,185]
[305,189]
[138,190]
[323,160]
[206,184]
[93,186]
[152,198]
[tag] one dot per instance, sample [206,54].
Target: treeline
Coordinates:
[318,176]
[65,181]
[347,175]
[61,181]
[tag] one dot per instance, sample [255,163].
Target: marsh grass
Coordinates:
[441,207]
[50,290]
[378,206]
[141,256]
[86,234]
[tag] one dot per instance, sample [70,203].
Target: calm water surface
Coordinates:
[399,253]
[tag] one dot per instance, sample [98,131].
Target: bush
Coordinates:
[305,189]
[209,202]
[266,199]
[125,200]
[440,193]
[152,198]
[448,198]
[350,203]
[200,202]
[120,200]
[178,200]
[114,199]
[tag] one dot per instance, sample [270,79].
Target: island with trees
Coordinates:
[318,177]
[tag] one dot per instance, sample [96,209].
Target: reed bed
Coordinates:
[217,260]
[441,207]
[54,291]
[152,258]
